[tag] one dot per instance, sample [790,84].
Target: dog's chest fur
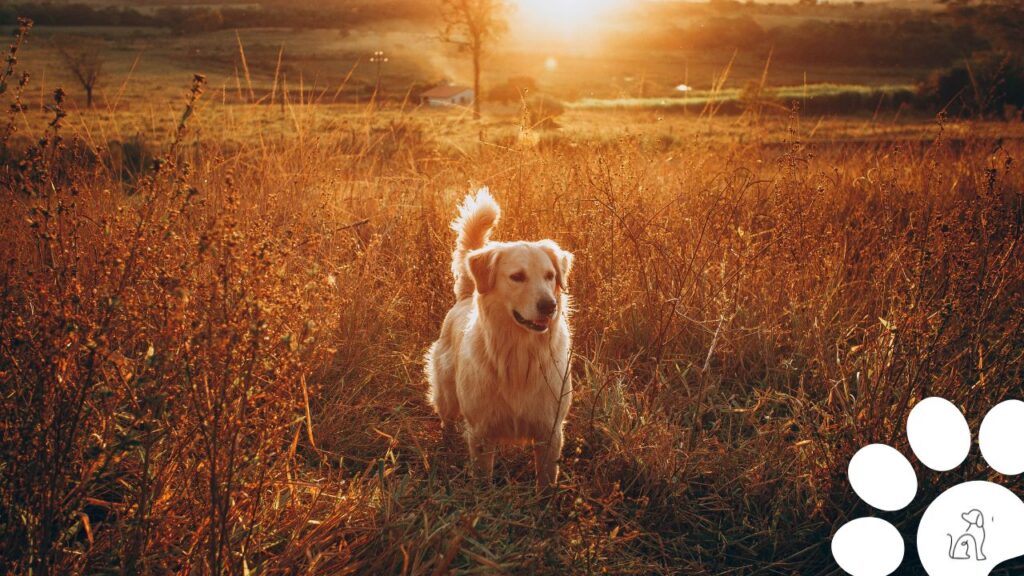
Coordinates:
[522,387]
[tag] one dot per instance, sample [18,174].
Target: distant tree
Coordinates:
[83,57]
[1001,22]
[472,25]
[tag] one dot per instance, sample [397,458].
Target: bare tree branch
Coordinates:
[84,59]
[471,25]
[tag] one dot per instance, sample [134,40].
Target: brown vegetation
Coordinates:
[214,367]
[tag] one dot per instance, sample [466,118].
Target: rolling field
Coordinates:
[144,66]
[214,316]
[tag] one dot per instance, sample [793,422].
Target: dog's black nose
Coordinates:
[546,306]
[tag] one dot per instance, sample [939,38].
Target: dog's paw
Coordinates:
[970,528]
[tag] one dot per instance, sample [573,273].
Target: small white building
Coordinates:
[448,96]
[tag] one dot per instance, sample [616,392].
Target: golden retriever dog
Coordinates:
[502,361]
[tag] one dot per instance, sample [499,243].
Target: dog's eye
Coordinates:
[549,276]
[518,277]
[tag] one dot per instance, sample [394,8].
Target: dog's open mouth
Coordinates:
[538,326]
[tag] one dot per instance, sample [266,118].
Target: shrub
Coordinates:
[513,89]
[544,110]
[131,157]
[984,85]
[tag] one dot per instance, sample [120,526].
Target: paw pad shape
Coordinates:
[967,530]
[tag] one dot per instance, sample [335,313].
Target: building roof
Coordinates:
[446,91]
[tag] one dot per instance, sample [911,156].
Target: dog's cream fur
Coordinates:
[502,361]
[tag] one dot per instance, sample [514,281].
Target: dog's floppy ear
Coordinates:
[974,517]
[483,266]
[561,259]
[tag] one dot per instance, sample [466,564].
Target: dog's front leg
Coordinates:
[545,458]
[481,453]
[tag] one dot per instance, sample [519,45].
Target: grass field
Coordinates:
[214,316]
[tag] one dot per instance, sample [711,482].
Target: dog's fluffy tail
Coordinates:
[477,216]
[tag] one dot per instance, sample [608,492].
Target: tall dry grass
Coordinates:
[214,366]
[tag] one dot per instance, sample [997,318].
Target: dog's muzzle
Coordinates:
[535,326]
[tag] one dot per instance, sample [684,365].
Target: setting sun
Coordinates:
[562,17]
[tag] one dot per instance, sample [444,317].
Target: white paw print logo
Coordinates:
[970,528]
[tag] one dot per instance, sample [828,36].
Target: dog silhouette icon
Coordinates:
[971,543]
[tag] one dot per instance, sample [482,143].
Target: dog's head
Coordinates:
[522,281]
[974,517]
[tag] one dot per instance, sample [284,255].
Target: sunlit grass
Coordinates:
[781,94]
[213,362]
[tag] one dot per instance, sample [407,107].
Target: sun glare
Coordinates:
[563,17]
